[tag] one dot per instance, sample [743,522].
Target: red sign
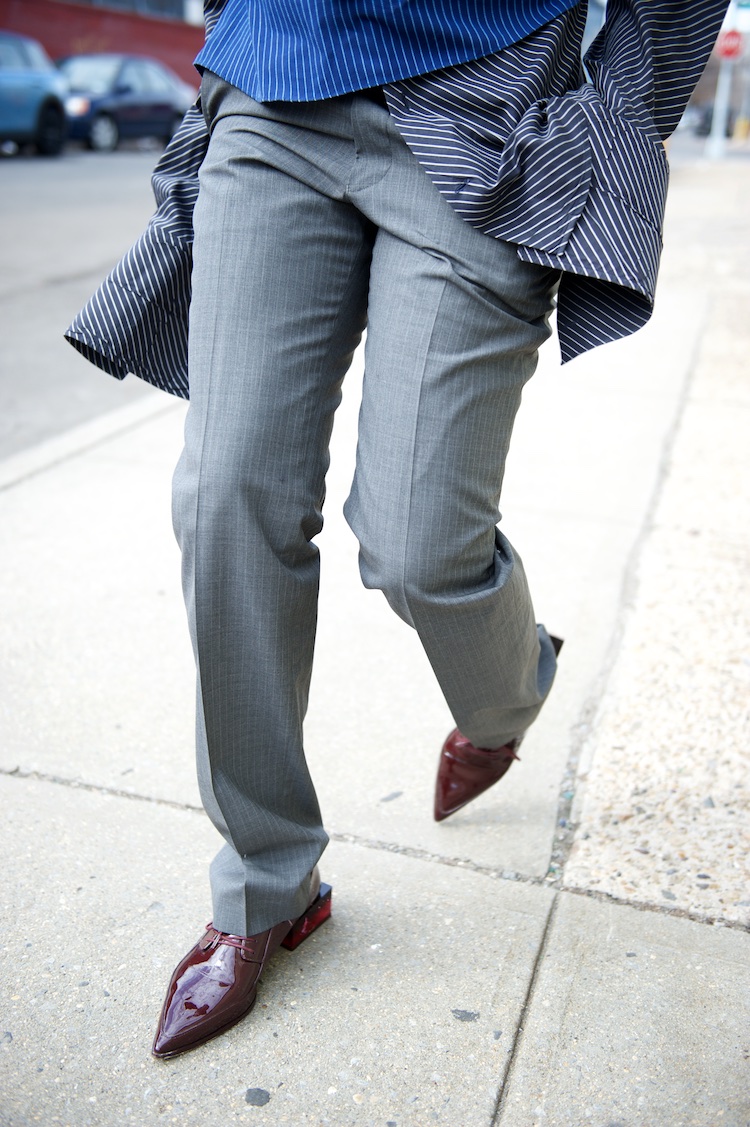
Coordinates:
[729,45]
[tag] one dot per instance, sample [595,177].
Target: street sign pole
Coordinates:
[716,142]
[729,46]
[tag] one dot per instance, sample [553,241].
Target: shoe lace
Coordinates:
[223,938]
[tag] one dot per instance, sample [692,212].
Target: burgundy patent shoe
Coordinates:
[216,983]
[465,771]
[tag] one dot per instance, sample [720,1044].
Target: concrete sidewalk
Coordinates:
[571,949]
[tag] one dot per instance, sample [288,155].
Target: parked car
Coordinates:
[112,97]
[32,94]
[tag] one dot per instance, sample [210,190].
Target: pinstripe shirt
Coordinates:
[300,50]
[526,148]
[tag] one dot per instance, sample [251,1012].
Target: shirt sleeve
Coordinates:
[573,172]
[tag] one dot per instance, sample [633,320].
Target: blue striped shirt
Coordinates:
[301,50]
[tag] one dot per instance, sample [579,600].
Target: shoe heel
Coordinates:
[316,914]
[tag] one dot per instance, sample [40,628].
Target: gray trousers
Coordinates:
[312,220]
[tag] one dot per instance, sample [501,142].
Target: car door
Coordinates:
[163,112]
[133,98]
[20,89]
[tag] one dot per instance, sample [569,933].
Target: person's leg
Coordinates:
[279,295]
[454,323]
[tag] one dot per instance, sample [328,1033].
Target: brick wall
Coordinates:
[73,29]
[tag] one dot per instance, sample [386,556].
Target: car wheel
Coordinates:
[104,136]
[50,130]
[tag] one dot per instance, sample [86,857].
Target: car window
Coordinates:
[11,55]
[134,76]
[37,56]
[157,80]
[90,73]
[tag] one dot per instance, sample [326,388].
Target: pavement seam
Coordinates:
[537,882]
[525,1008]
[583,728]
[97,788]
[412,852]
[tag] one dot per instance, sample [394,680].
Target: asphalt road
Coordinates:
[63,224]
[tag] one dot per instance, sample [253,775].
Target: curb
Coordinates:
[50,453]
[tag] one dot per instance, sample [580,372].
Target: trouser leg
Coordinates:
[455,321]
[290,198]
[279,294]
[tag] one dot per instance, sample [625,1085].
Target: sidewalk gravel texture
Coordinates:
[573,947]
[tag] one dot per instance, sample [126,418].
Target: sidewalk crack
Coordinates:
[411,851]
[98,788]
[525,1008]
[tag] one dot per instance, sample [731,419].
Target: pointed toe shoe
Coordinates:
[466,771]
[216,984]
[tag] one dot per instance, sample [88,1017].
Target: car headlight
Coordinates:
[77,106]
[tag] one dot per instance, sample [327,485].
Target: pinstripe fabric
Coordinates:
[137,321]
[572,172]
[455,323]
[302,50]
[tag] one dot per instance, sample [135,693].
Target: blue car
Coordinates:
[113,97]
[32,96]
